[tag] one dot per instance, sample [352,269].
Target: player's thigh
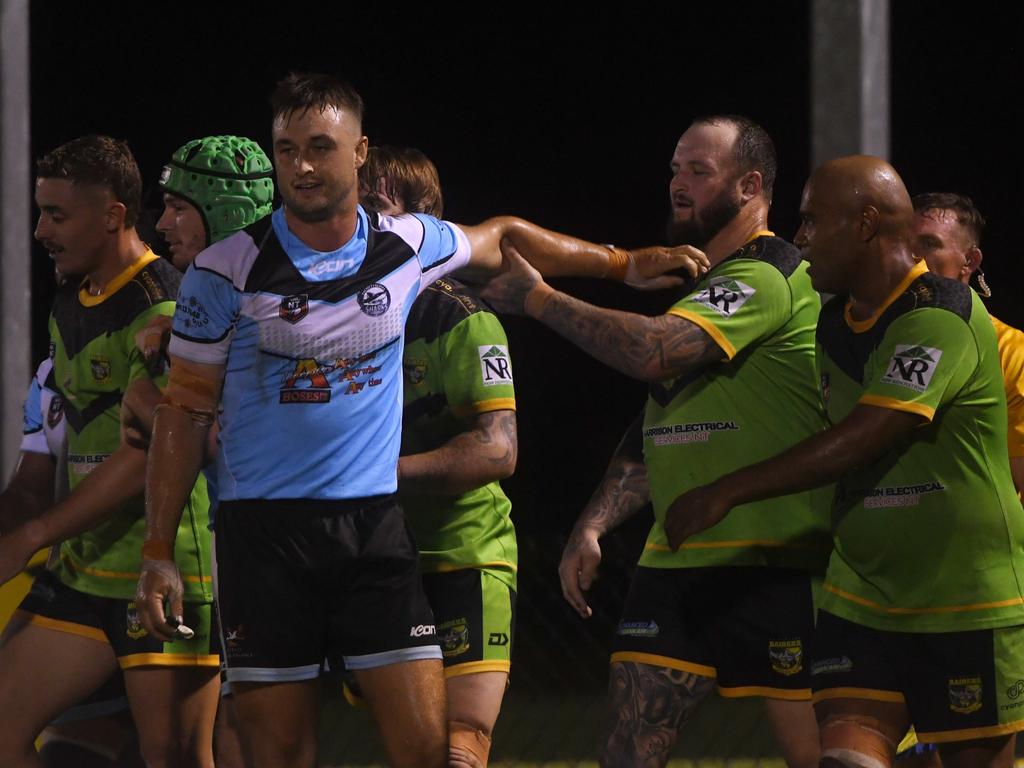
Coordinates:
[278,722]
[44,670]
[475,699]
[173,707]
[997,752]
[796,731]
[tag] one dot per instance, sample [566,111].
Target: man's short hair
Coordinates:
[302,91]
[754,149]
[99,161]
[409,177]
[967,214]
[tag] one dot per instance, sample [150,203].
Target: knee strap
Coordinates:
[856,741]
[470,738]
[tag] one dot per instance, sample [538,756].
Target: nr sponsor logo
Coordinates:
[422,630]
[495,366]
[965,694]
[638,628]
[912,366]
[786,656]
[374,299]
[724,295]
[294,308]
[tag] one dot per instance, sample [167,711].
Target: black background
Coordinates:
[569,121]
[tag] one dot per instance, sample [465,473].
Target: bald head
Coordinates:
[853,209]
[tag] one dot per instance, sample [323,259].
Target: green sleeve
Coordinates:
[476,368]
[743,302]
[137,365]
[925,358]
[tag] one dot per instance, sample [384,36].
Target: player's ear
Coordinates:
[867,226]
[750,185]
[972,259]
[113,217]
[361,148]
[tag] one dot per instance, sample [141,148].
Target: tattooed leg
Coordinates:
[647,706]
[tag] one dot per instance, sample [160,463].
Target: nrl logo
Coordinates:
[294,308]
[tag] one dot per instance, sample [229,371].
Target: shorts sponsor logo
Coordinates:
[1016,695]
[786,656]
[100,369]
[453,637]
[55,412]
[415,371]
[495,367]
[899,495]
[912,366]
[133,624]
[234,637]
[694,432]
[192,312]
[374,299]
[965,694]
[294,308]
[422,630]
[724,295]
[832,666]
[638,628]
[84,463]
[497,638]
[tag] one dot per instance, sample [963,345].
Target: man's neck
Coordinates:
[885,270]
[122,252]
[324,236]
[751,219]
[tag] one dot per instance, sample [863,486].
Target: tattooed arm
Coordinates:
[645,348]
[621,494]
[486,451]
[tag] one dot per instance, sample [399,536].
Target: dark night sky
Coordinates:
[567,121]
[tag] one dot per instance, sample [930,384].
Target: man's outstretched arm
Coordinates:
[622,492]
[641,347]
[864,435]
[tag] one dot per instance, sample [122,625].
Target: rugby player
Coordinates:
[731,372]
[300,319]
[458,440]
[910,378]
[79,624]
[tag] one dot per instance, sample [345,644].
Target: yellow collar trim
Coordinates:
[859,326]
[117,283]
[760,233]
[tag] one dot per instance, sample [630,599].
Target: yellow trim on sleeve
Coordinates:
[103,574]
[708,327]
[737,544]
[485,406]
[168,660]
[654,660]
[449,567]
[785,694]
[860,326]
[472,667]
[898,405]
[67,627]
[870,694]
[985,732]
[117,283]
[919,611]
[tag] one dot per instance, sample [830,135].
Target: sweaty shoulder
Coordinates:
[441,306]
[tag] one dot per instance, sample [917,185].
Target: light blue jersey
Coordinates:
[312,343]
[43,422]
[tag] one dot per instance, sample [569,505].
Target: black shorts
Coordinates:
[956,685]
[749,627]
[53,605]
[474,611]
[299,581]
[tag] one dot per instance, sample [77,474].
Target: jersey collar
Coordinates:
[88,300]
[860,326]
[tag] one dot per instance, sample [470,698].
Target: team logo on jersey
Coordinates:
[133,624]
[55,412]
[374,299]
[786,656]
[912,366]
[453,637]
[724,295]
[100,369]
[638,628]
[415,371]
[965,694]
[294,308]
[495,367]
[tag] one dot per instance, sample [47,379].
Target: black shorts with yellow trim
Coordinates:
[474,611]
[53,605]
[747,626]
[956,685]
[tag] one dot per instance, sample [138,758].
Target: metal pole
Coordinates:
[15,234]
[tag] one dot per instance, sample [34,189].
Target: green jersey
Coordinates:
[92,342]
[456,367]
[930,537]
[759,307]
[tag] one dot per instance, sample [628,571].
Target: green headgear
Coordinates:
[228,179]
